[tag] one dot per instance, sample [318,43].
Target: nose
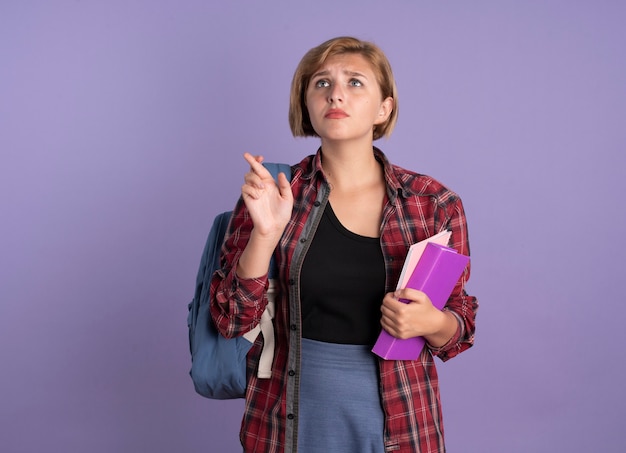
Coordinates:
[335,94]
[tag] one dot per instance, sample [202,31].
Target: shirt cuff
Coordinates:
[442,350]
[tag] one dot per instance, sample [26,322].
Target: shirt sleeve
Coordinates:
[236,303]
[460,304]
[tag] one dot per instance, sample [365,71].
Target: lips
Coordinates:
[334,114]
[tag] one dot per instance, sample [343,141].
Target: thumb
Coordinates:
[409,295]
[284,186]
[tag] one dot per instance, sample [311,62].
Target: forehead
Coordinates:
[347,62]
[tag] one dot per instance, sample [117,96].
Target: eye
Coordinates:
[322,83]
[355,83]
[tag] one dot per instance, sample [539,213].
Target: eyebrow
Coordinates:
[325,72]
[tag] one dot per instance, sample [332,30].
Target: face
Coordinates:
[344,99]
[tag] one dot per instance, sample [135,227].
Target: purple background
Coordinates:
[122,125]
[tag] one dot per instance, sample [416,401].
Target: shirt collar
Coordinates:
[395,186]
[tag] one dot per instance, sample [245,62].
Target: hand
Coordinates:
[269,204]
[418,317]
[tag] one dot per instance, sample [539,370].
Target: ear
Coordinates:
[386,107]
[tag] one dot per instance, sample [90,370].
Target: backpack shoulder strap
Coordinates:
[276,168]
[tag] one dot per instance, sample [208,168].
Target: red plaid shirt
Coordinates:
[417,207]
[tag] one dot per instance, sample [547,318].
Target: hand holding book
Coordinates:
[433,268]
[407,313]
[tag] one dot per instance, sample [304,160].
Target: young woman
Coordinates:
[340,232]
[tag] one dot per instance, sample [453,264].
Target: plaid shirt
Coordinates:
[417,207]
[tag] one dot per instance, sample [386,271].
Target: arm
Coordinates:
[461,305]
[419,318]
[238,288]
[270,205]
[447,332]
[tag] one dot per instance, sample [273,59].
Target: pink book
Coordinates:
[436,273]
[415,252]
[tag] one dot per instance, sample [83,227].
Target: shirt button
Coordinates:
[292,281]
[290,416]
[303,240]
[317,204]
[293,327]
[292,373]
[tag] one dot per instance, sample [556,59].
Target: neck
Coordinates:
[349,168]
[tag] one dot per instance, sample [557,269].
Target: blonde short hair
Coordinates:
[299,120]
